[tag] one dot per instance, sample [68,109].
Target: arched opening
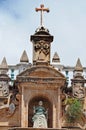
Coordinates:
[46,104]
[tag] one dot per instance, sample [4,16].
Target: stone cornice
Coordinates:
[40,83]
[35,79]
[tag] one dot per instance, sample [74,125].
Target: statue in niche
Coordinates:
[40,116]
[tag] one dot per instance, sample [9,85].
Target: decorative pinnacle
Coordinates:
[42,9]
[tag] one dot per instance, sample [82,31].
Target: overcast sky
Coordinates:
[66,22]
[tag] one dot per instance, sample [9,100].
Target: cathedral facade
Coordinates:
[39,96]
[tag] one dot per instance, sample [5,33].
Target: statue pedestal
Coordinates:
[30,128]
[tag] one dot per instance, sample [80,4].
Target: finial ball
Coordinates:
[42,6]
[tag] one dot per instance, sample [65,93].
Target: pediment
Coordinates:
[41,72]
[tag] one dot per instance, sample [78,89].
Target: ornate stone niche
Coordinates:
[43,83]
[46,104]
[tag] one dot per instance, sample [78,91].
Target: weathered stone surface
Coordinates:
[70,128]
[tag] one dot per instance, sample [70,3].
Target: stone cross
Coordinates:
[42,9]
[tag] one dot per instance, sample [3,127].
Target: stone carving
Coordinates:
[78,91]
[84,107]
[5,104]
[5,89]
[42,46]
[40,116]
[42,50]
[12,108]
[82,127]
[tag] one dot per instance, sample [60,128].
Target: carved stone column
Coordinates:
[54,116]
[59,109]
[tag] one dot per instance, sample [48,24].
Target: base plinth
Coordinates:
[30,128]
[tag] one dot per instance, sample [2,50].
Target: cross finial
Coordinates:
[42,9]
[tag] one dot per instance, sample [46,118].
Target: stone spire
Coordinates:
[78,81]
[24,57]
[41,42]
[4,65]
[56,57]
[78,66]
[3,70]
[4,81]
[41,46]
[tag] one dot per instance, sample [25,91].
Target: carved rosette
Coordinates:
[41,51]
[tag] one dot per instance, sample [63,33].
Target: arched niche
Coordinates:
[46,104]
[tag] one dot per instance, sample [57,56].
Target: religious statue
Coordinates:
[40,116]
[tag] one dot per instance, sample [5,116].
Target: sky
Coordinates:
[66,21]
